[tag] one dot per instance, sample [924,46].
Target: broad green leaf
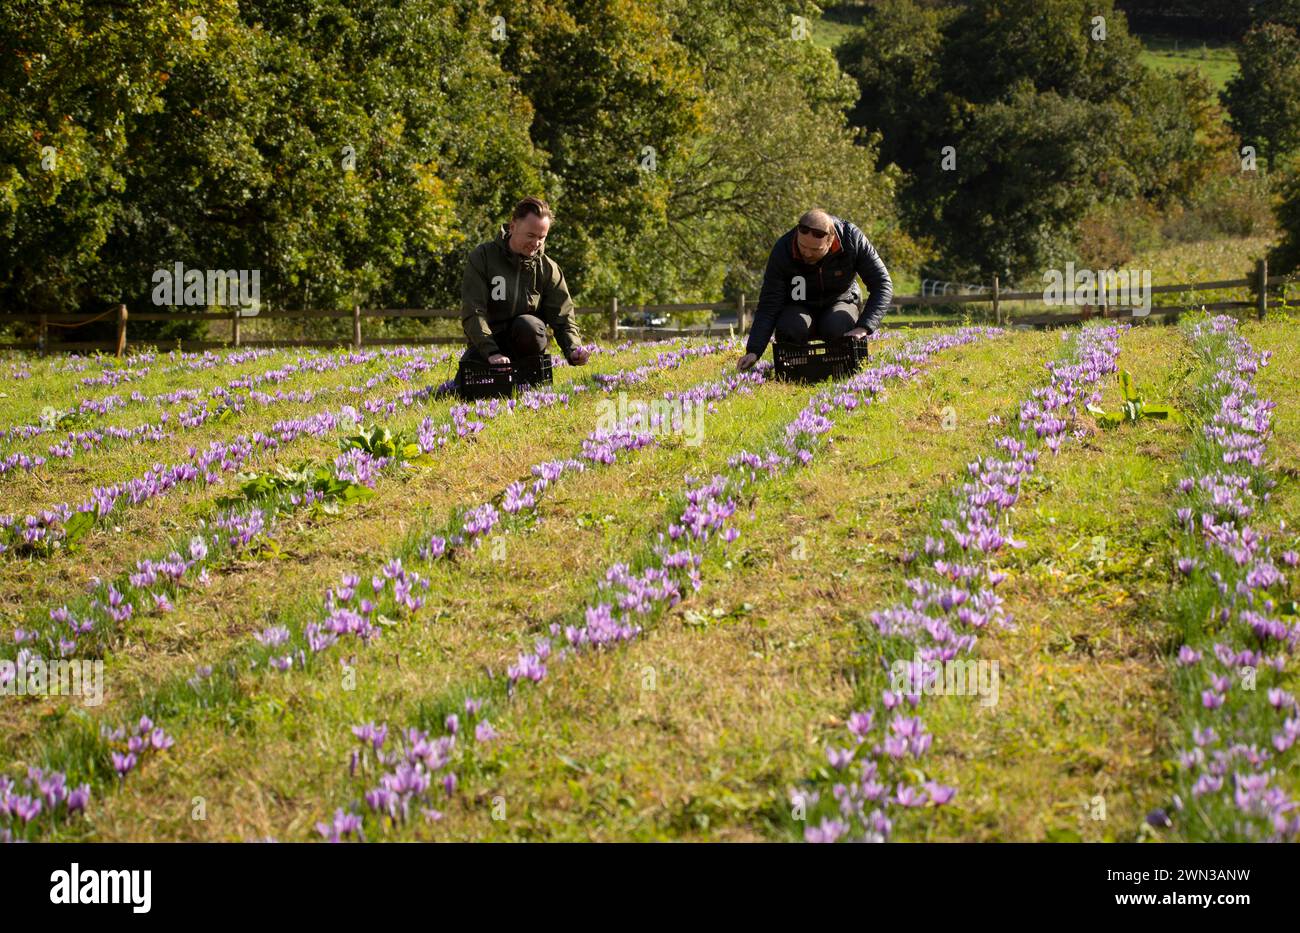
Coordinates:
[1126,387]
[77,526]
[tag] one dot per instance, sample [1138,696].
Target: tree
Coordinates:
[352,151]
[345,150]
[614,95]
[1264,97]
[73,79]
[1095,125]
[774,142]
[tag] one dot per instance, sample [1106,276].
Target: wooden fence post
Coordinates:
[740,313]
[234,326]
[997,309]
[1261,288]
[356,327]
[613,318]
[121,329]
[43,335]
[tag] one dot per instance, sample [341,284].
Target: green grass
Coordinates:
[835,24]
[1216,59]
[1079,718]
[748,673]
[697,729]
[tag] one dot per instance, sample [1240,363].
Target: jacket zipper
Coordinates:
[514,308]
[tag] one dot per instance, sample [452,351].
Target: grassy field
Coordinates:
[1215,59]
[697,728]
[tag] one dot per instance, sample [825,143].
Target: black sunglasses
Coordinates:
[816,234]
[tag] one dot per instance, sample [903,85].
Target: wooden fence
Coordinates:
[995,299]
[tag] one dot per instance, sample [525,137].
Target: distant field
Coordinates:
[834,26]
[1217,59]
[1163,53]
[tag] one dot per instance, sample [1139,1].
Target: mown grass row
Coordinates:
[359,536]
[746,677]
[134,533]
[1071,750]
[265,748]
[697,730]
[490,771]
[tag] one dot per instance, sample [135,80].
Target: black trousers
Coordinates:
[800,323]
[520,337]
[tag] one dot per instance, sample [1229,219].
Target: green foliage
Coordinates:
[296,480]
[1046,120]
[1133,407]
[1285,256]
[70,420]
[377,440]
[221,143]
[1264,99]
[1265,105]
[76,528]
[74,77]
[897,57]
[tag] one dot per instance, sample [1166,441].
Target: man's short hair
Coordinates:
[530,206]
[818,219]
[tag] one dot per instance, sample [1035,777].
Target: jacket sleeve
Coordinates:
[558,312]
[771,299]
[473,305]
[872,269]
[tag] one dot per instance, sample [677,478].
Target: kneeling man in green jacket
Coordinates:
[512,291]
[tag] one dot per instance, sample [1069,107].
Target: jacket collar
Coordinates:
[503,241]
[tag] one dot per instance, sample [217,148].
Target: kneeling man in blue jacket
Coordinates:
[810,286]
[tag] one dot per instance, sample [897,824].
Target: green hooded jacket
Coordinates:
[500,285]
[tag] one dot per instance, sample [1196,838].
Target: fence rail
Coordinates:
[1259,284]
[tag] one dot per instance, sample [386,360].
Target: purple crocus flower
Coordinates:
[78,797]
[123,764]
[26,808]
[839,758]
[828,831]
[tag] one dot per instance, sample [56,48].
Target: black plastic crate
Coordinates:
[818,359]
[475,380]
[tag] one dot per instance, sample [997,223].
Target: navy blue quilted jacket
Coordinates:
[824,283]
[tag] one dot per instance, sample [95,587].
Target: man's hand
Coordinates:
[498,359]
[579,356]
[858,333]
[746,362]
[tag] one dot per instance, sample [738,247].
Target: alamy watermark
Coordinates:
[1125,288]
[35,676]
[76,885]
[659,416]
[209,287]
[974,677]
